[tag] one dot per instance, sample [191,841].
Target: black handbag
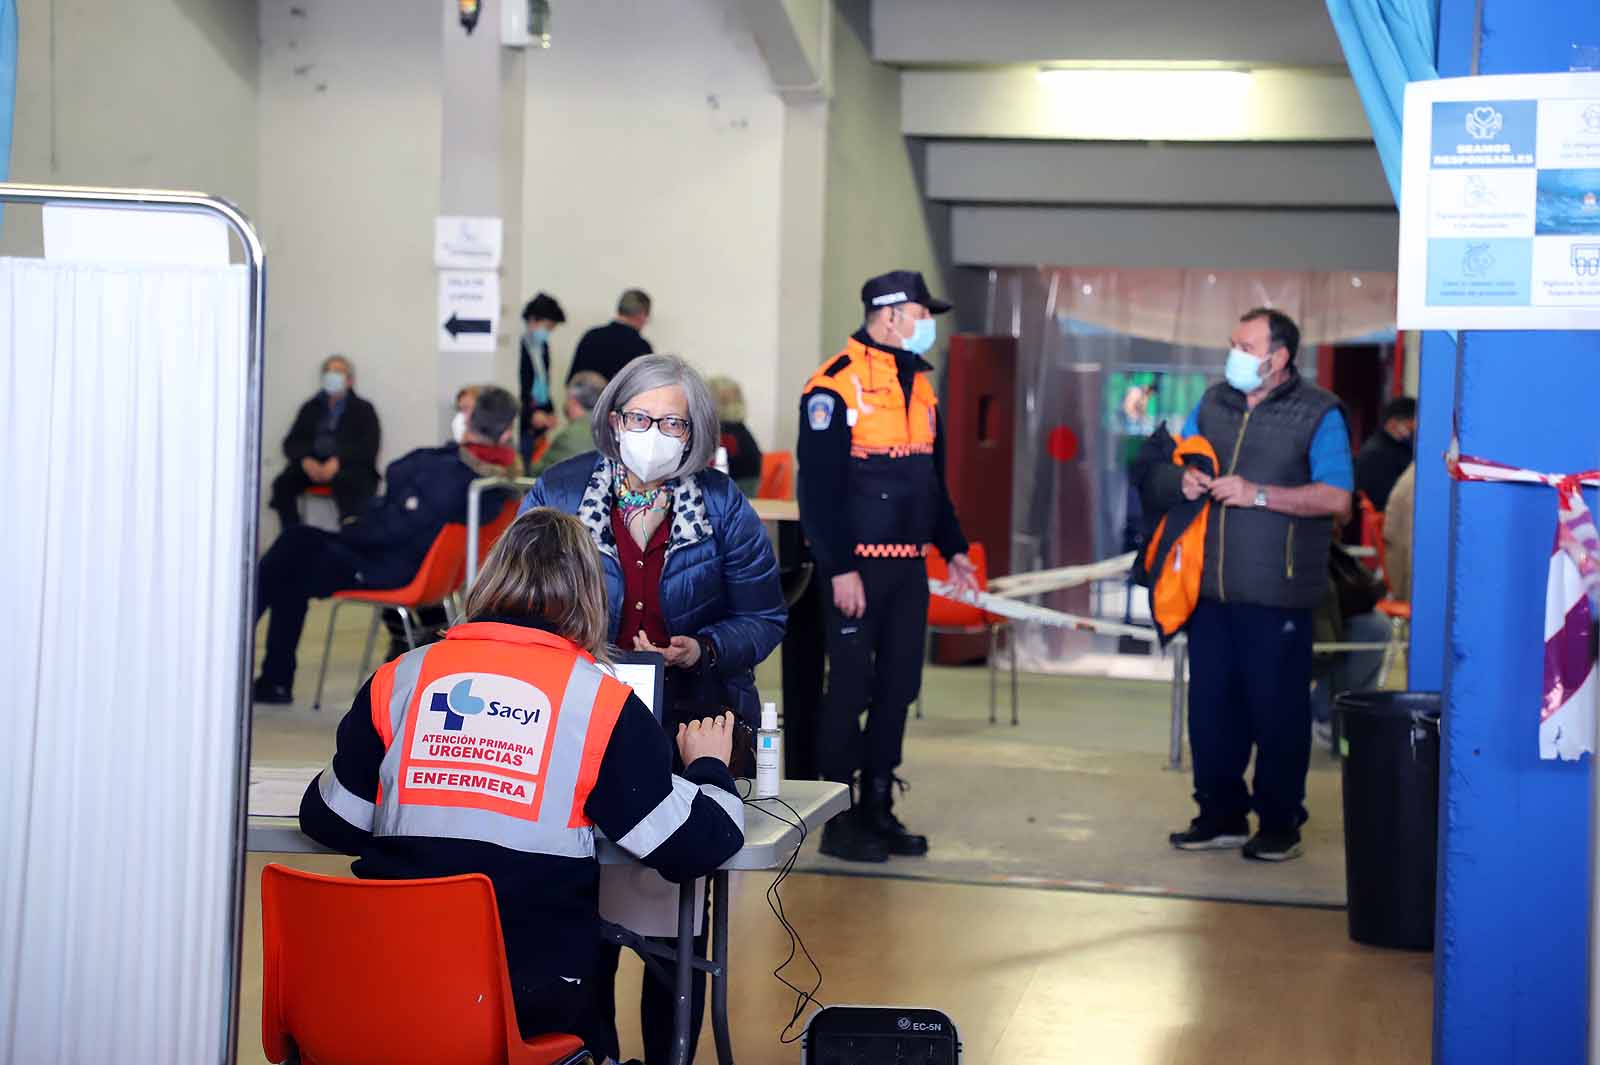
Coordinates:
[1359,589]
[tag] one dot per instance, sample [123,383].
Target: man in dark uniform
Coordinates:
[872,498]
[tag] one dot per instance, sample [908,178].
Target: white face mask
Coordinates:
[458,426]
[651,455]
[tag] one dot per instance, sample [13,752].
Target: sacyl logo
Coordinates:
[459,704]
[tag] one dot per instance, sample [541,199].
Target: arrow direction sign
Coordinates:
[469,310]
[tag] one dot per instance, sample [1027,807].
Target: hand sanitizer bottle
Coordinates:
[769,753]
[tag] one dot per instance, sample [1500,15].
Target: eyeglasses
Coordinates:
[638,421]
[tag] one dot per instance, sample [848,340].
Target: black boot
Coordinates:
[848,837]
[877,809]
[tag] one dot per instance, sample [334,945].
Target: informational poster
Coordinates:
[1500,203]
[469,309]
[465,243]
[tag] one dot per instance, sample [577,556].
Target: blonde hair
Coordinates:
[546,566]
[729,397]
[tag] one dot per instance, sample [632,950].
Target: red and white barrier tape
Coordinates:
[1568,702]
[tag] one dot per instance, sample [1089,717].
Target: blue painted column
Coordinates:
[1511,953]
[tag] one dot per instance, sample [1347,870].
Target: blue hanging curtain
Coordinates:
[1387,43]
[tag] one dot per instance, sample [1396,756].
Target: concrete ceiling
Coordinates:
[1256,32]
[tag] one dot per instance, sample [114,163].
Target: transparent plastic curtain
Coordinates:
[1104,357]
[121,567]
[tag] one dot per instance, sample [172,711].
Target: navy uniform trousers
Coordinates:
[874,665]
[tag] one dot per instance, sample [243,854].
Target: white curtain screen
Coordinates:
[121,554]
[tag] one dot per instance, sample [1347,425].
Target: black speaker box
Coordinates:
[880,1035]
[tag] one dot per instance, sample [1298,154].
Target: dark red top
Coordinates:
[641,583]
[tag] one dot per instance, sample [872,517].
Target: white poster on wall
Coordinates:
[1500,203]
[465,243]
[469,310]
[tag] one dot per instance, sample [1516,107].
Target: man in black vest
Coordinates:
[1284,451]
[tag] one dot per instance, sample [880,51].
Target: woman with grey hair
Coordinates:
[689,572]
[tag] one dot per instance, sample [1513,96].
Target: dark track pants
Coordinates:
[351,491]
[1250,686]
[875,665]
[302,565]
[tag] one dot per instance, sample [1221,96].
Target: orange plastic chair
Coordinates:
[489,535]
[321,492]
[777,475]
[399,972]
[948,617]
[1371,529]
[438,576]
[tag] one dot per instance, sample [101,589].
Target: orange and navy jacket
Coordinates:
[500,750]
[871,458]
[1176,556]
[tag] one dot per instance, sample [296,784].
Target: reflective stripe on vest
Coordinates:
[490,739]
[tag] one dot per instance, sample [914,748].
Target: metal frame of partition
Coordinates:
[475,516]
[177,202]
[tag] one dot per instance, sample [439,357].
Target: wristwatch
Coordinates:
[708,652]
[1261,497]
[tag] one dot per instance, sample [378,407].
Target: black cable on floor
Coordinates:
[804,999]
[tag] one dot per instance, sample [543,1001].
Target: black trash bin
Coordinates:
[1390,742]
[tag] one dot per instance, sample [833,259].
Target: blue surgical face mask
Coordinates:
[333,383]
[1243,370]
[919,342]
[538,336]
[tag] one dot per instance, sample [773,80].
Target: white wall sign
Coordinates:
[469,310]
[1500,203]
[463,243]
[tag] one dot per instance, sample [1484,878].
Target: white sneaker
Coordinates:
[1322,732]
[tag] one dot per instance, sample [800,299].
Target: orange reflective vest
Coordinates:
[894,492]
[1175,558]
[496,733]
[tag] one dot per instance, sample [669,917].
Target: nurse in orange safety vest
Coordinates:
[872,499]
[500,749]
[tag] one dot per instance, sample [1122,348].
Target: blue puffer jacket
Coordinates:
[720,578]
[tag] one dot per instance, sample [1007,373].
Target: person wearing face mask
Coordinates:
[333,442]
[689,573]
[424,491]
[540,318]
[872,498]
[1284,452]
[1387,453]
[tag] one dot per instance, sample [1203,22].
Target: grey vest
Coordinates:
[1254,555]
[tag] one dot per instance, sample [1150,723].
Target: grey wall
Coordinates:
[875,218]
[153,94]
[1144,237]
[349,148]
[1279,32]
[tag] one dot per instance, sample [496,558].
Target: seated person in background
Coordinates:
[425,491]
[577,436]
[744,457]
[1346,615]
[536,621]
[334,441]
[466,398]
[1397,535]
[1386,454]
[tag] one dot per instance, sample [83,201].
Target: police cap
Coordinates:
[900,286]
